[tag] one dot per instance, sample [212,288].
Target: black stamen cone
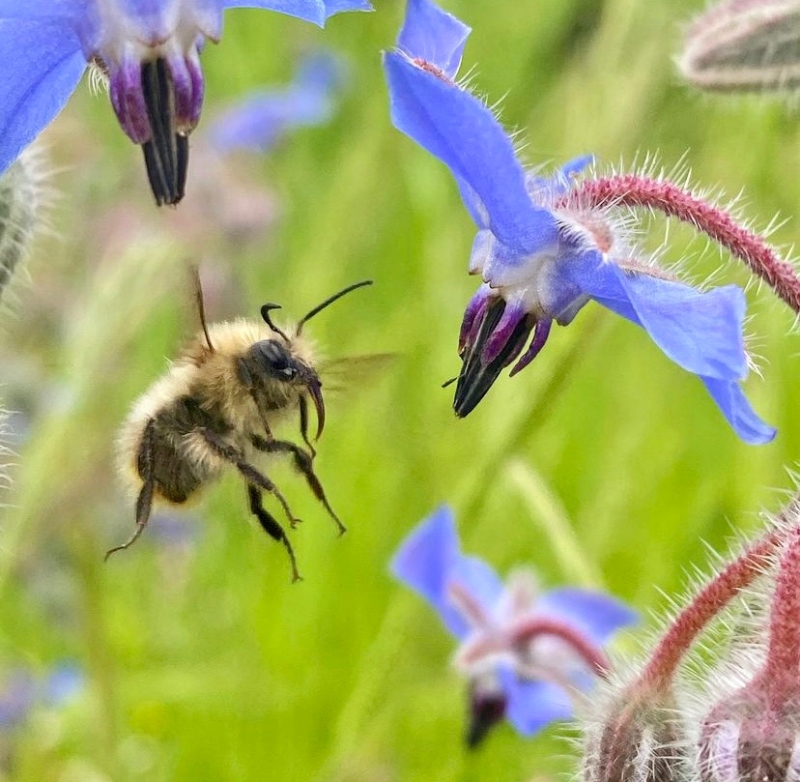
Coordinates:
[476,378]
[485,711]
[166,154]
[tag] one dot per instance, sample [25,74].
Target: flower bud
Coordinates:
[640,741]
[747,738]
[20,201]
[744,46]
[751,735]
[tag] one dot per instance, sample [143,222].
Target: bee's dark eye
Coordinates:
[274,359]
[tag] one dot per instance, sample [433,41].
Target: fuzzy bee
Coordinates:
[214,410]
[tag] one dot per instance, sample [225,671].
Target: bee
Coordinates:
[214,410]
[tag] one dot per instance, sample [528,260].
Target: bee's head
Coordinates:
[271,360]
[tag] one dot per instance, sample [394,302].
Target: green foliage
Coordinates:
[203,661]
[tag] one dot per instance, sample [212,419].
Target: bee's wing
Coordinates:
[352,372]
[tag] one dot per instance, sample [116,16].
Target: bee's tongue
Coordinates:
[315,390]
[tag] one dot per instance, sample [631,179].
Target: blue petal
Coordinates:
[42,9]
[533,705]
[424,560]
[322,71]
[64,682]
[560,182]
[595,614]
[17,697]
[734,406]
[43,65]
[429,559]
[479,578]
[457,128]
[701,332]
[433,35]
[316,11]
[340,6]
[260,120]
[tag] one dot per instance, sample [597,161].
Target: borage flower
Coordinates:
[260,120]
[525,655]
[150,51]
[546,246]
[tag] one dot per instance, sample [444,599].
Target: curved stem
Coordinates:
[687,626]
[638,191]
[783,652]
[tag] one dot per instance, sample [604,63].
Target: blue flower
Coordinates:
[260,120]
[21,691]
[524,654]
[541,256]
[17,698]
[150,51]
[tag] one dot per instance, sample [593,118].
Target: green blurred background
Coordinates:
[602,464]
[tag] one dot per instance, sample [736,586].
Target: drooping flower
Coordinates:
[260,120]
[546,246]
[524,654]
[150,51]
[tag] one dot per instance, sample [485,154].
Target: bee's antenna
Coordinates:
[201,310]
[449,382]
[329,301]
[265,310]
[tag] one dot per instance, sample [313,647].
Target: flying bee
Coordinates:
[214,409]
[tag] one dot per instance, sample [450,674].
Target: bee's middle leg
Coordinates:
[251,474]
[271,526]
[304,465]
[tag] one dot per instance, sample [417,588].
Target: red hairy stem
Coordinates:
[525,630]
[684,630]
[639,191]
[783,653]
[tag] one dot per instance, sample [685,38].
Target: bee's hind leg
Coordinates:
[144,502]
[303,463]
[253,476]
[271,527]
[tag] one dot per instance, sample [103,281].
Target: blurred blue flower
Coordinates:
[150,51]
[17,697]
[174,529]
[21,691]
[524,654]
[542,257]
[62,683]
[260,120]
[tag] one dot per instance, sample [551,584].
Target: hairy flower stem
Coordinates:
[783,655]
[638,191]
[682,633]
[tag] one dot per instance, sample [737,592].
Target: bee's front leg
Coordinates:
[303,464]
[304,426]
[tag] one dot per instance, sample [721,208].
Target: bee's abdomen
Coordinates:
[177,468]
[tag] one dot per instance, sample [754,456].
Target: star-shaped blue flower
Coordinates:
[542,258]
[150,50]
[524,654]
